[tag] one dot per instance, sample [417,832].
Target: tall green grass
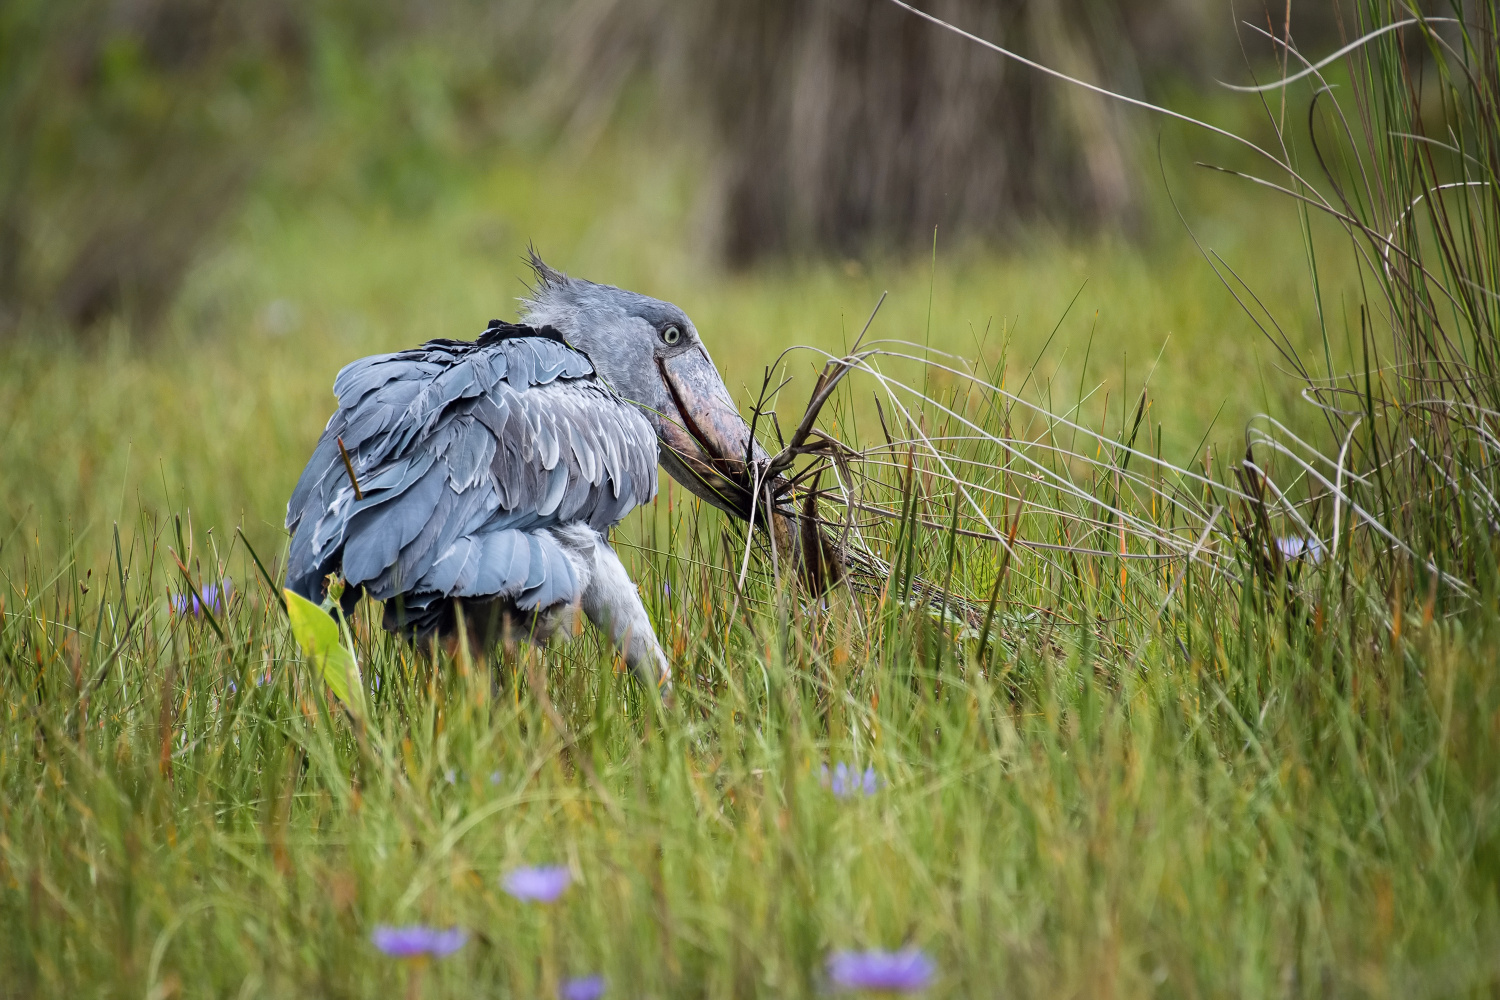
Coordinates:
[1404,478]
[1103,806]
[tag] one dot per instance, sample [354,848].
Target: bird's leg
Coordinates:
[614,606]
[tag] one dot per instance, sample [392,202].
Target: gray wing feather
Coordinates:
[522,372]
[466,456]
[555,483]
[581,454]
[504,564]
[551,578]
[384,522]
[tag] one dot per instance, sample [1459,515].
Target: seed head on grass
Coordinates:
[537,885]
[582,988]
[418,941]
[904,971]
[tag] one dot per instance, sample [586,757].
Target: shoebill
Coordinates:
[486,475]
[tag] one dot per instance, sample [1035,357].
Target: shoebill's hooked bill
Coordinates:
[488,473]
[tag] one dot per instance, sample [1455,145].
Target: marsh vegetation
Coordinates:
[1173,667]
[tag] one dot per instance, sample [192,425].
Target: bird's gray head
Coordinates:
[649,352]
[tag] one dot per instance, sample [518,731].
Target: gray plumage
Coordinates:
[466,454]
[489,473]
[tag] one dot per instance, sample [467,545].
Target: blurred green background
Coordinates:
[207,208]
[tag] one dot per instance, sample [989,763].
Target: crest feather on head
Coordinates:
[547,284]
[545,276]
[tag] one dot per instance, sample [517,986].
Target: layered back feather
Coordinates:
[467,455]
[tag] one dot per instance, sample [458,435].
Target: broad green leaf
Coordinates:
[318,635]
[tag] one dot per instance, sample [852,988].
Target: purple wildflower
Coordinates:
[494,777]
[418,941]
[904,971]
[582,988]
[1299,548]
[845,782]
[537,885]
[215,597]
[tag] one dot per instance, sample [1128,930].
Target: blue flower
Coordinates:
[904,971]
[215,597]
[1299,548]
[582,988]
[537,885]
[418,941]
[844,782]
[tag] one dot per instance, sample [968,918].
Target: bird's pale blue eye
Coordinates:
[671,335]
